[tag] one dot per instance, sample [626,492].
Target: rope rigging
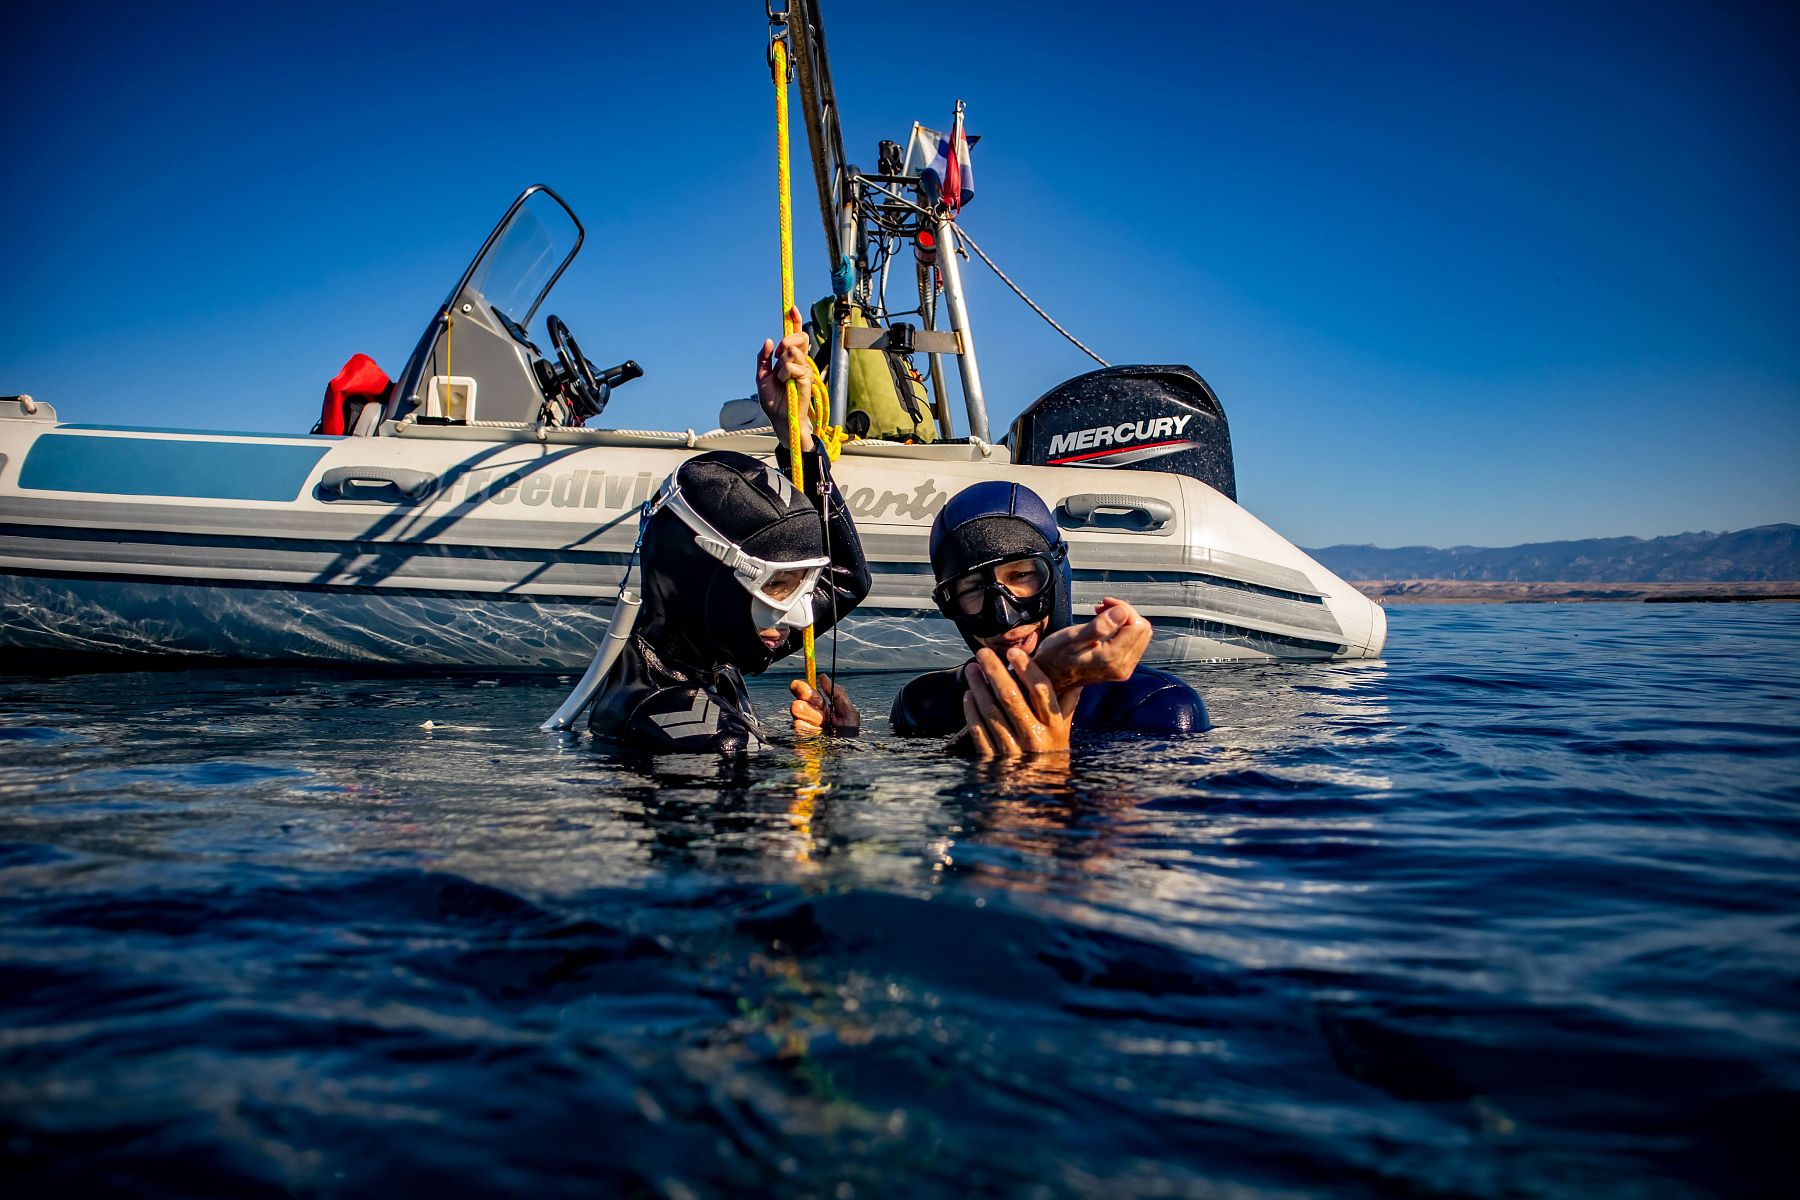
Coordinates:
[891,231]
[962,235]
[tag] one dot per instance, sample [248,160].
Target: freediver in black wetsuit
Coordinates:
[1002,570]
[735,565]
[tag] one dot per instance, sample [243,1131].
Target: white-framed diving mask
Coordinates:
[780,592]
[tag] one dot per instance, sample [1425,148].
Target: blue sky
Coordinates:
[1460,274]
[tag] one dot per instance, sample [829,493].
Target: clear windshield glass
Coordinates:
[525,259]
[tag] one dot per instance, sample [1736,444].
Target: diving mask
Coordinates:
[998,596]
[780,592]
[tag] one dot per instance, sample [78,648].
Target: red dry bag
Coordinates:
[360,382]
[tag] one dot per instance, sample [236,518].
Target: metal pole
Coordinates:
[940,395]
[840,353]
[806,32]
[840,373]
[959,321]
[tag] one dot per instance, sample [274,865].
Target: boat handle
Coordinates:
[1108,510]
[356,483]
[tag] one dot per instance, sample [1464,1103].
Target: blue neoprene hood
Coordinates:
[977,528]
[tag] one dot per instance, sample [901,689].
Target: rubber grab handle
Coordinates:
[357,482]
[1140,513]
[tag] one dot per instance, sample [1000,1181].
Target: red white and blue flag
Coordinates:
[948,155]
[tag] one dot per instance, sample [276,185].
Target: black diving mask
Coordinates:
[999,596]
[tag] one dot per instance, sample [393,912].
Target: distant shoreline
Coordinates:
[1696,565]
[1481,591]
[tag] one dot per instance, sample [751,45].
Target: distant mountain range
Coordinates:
[1767,552]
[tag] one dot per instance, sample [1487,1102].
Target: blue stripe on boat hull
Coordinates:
[195,433]
[130,466]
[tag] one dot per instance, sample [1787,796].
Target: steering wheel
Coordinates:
[577,375]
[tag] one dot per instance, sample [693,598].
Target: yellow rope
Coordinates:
[832,436]
[778,60]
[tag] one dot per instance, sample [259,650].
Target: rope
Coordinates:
[832,437]
[778,62]
[963,235]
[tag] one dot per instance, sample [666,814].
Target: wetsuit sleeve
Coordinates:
[687,720]
[1151,702]
[929,706]
[845,583]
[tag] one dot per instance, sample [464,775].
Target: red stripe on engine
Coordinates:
[1054,462]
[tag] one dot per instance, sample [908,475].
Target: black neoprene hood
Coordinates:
[692,602]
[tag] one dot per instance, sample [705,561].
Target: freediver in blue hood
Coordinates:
[1002,571]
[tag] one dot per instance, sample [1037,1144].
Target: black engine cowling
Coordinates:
[1145,418]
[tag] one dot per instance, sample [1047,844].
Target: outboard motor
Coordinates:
[1149,418]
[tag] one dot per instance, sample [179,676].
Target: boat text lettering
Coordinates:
[602,489]
[920,504]
[563,489]
[1118,435]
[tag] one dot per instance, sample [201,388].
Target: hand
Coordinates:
[808,709]
[790,361]
[1106,649]
[1007,722]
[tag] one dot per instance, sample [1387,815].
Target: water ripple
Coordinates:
[1510,913]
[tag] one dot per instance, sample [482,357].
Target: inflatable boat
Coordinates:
[466,515]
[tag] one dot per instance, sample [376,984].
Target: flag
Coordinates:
[947,154]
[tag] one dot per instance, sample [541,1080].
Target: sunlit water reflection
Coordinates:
[1511,912]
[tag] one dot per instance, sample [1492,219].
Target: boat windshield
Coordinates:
[526,254]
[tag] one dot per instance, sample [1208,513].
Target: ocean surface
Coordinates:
[1515,912]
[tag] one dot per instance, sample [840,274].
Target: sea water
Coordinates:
[1515,911]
